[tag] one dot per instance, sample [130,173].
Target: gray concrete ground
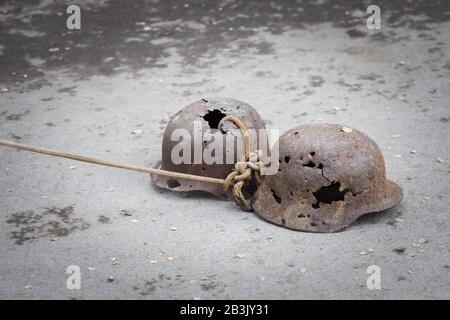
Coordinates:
[133,64]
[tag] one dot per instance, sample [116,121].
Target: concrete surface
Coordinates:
[296,62]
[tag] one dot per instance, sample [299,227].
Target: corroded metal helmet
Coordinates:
[200,120]
[329,175]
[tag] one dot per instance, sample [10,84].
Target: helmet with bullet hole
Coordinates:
[329,175]
[194,132]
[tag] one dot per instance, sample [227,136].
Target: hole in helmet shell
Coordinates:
[249,188]
[328,194]
[287,159]
[172,183]
[213,118]
[275,196]
[310,164]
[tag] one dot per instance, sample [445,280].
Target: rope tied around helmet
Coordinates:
[248,168]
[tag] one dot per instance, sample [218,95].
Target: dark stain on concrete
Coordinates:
[210,283]
[15,137]
[28,225]
[70,90]
[100,47]
[104,219]
[16,116]
[399,250]
[316,81]
[355,33]
[150,286]
[350,86]
[370,77]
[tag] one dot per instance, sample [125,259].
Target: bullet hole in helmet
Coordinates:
[287,159]
[213,118]
[275,196]
[310,164]
[283,222]
[313,224]
[301,216]
[329,194]
[172,183]
[320,166]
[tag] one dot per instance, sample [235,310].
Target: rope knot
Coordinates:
[247,169]
[244,171]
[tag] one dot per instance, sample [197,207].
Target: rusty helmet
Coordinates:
[329,175]
[204,116]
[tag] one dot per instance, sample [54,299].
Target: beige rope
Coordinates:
[244,170]
[119,165]
[243,129]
